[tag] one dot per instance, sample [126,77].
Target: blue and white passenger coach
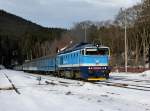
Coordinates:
[85,61]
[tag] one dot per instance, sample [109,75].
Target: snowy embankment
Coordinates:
[57,94]
[146,74]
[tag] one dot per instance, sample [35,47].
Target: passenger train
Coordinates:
[83,61]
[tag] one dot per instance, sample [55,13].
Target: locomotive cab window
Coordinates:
[97,51]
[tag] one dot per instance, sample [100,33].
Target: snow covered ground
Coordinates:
[57,94]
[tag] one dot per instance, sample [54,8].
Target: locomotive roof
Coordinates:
[78,47]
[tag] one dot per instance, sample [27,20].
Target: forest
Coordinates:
[22,40]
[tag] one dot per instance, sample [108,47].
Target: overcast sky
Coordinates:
[63,13]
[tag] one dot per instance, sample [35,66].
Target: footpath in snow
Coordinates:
[57,94]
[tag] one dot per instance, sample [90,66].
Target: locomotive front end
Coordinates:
[95,63]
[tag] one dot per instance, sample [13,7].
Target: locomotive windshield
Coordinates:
[97,51]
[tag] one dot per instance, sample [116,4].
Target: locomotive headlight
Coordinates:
[104,68]
[90,68]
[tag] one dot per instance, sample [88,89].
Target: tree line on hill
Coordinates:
[22,40]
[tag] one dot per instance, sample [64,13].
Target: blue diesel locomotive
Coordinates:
[82,61]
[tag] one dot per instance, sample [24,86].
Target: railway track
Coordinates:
[107,83]
[124,85]
[133,80]
[51,81]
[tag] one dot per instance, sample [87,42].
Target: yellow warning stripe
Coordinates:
[96,79]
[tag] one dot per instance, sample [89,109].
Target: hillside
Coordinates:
[18,38]
[15,25]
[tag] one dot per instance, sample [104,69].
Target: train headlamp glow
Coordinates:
[89,68]
[97,45]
